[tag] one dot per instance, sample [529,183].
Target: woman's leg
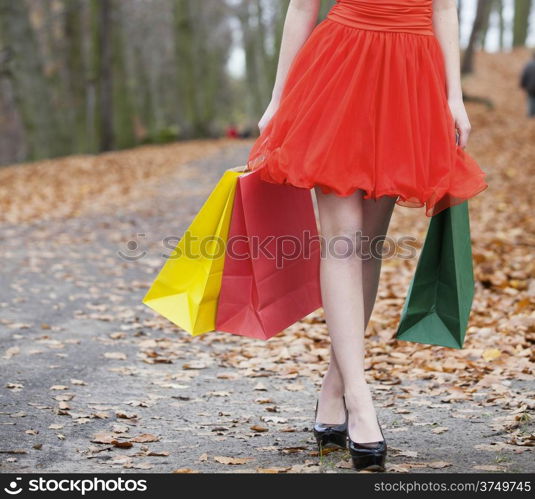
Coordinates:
[349,286]
[376,219]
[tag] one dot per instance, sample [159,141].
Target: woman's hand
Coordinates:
[268,114]
[460,117]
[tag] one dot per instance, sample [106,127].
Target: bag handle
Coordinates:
[241,168]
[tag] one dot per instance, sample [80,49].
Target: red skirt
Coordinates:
[367,109]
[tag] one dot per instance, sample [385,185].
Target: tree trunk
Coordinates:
[24,68]
[264,69]
[214,48]
[499,8]
[485,28]
[76,75]
[521,22]
[147,108]
[123,119]
[279,27]
[187,76]
[253,74]
[480,22]
[101,94]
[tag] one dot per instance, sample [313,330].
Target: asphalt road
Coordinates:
[93,381]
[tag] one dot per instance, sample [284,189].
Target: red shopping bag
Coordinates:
[271,270]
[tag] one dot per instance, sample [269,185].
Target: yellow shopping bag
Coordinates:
[186,290]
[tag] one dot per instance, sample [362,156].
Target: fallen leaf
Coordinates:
[274,419]
[498,446]
[10,352]
[145,437]
[120,428]
[259,429]
[16,387]
[227,375]
[491,354]
[100,415]
[293,450]
[122,444]
[438,464]
[274,470]
[263,400]
[78,382]
[125,415]
[232,460]
[115,355]
[398,468]
[488,467]
[139,466]
[104,438]
[407,453]
[195,364]
[294,387]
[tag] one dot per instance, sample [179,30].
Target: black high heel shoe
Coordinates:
[332,436]
[368,458]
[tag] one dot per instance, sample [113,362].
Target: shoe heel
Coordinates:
[369,462]
[368,458]
[330,436]
[331,439]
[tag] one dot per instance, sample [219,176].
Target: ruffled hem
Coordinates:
[434,201]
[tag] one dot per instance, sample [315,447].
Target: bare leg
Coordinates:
[377,215]
[350,288]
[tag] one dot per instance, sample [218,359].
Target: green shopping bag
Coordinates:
[438,303]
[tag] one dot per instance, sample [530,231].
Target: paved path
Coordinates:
[93,381]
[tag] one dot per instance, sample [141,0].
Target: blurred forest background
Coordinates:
[86,76]
[114,128]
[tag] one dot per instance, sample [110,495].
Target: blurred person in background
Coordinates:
[527,82]
[232,132]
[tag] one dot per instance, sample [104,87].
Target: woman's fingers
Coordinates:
[463,129]
[462,123]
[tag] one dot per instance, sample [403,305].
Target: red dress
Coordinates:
[364,106]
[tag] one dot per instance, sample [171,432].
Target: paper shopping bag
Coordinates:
[271,272]
[187,287]
[439,300]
